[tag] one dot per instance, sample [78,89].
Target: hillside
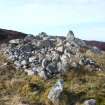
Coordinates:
[6,35]
[51,70]
[100,45]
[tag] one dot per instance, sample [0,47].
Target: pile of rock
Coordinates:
[47,56]
[89,64]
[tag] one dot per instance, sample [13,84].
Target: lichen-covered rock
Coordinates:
[55,92]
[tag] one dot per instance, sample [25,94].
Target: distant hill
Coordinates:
[6,35]
[100,45]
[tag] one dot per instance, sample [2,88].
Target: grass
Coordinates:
[79,85]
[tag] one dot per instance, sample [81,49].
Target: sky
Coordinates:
[86,18]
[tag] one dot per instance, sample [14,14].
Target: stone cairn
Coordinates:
[48,56]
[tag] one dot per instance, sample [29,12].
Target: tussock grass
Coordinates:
[16,87]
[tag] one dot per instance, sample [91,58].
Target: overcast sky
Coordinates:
[56,17]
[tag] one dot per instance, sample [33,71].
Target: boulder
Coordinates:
[60,49]
[18,64]
[42,73]
[14,41]
[31,59]
[70,36]
[23,62]
[45,62]
[65,60]
[55,57]
[55,92]
[52,68]
[90,102]
[59,67]
[59,42]
[29,72]
[95,50]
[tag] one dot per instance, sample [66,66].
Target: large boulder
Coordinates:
[55,92]
[70,36]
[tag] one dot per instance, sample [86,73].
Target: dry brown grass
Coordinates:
[17,87]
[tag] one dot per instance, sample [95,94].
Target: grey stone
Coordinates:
[70,36]
[60,49]
[45,62]
[55,57]
[96,50]
[31,59]
[18,64]
[52,68]
[29,72]
[42,73]
[90,102]
[14,41]
[59,67]
[65,60]
[80,42]
[24,62]
[55,92]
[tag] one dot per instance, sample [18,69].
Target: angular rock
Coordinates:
[55,92]
[96,50]
[65,60]
[45,62]
[52,68]
[70,36]
[60,49]
[24,62]
[42,73]
[29,72]
[55,57]
[14,41]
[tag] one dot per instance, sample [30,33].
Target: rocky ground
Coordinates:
[48,70]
